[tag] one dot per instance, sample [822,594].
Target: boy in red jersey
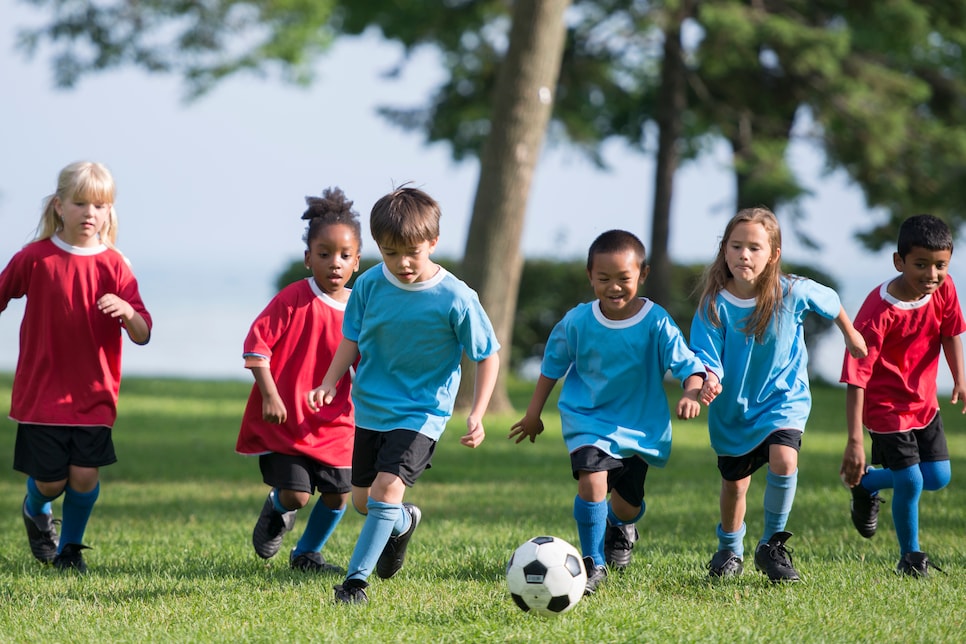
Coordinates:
[80,294]
[288,350]
[892,392]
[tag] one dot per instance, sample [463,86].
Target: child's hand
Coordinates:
[111,304]
[688,406]
[710,389]
[959,395]
[321,396]
[855,343]
[273,410]
[474,433]
[526,427]
[853,464]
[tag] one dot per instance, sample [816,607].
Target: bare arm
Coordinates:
[690,406]
[273,409]
[853,460]
[531,425]
[134,323]
[487,370]
[854,341]
[344,356]
[953,350]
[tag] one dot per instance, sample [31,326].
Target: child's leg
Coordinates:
[781,482]
[590,513]
[38,502]
[288,500]
[80,494]
[935,475]
[620,512]
[382,517]
[325,516]
[731,530]
[905,507]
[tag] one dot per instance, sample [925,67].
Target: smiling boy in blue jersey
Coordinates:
[614,411]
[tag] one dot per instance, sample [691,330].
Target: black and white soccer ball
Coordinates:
[546,576]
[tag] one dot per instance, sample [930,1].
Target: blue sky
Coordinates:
[210,193]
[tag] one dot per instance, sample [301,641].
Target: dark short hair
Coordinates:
[924,231]
[616,241]
[404,216]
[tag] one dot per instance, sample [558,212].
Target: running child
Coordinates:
[81,297]
[408,322]
[288,350]
[748,332]
[892,392]
[614,353]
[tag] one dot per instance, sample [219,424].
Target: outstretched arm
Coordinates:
[487,370]
[531,425]
[953,350]
[854,341]
[853,460]
[344,356]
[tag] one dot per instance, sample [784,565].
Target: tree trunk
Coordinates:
[672,102]
[522,104]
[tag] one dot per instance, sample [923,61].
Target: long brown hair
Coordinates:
[768,288]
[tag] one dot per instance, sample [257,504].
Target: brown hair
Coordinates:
[406,216]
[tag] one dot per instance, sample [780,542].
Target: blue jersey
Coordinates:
[411,338]
[764,384]
[613,395]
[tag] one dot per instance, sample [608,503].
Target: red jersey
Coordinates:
[296,336]
[904,340]
[69,366]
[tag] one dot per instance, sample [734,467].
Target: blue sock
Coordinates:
[591,521]
[935,475]
[876,479]
[373,538]
[613,520]
[321,524]
[37,502]
[779,496]
[403,522]
[77,510]
[733,541]
[274,494]
[905,507]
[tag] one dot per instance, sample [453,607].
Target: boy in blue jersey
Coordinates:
[614,411]
[409,321]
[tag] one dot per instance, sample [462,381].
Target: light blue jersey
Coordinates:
[411,338]
[613,395]
[764,384]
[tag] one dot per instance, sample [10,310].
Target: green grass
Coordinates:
[172,559]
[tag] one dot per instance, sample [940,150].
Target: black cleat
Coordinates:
[70,558]
[270,529]
[618,543]
[595,575]
[394,554]
[915,564]
[42,535]
[312,562]
[775,560]
[351,591]
[725,563]
[865,511]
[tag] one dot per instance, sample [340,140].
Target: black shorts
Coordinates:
[735,468]
[303,474]
[900,450]
[46,452]
[403,452]
[625,476]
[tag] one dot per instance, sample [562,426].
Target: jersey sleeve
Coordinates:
[707,341]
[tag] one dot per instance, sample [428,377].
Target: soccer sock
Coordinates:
[274,495]
[37,502]
[779,496]
[321,524]
[591,521]
[935,475]
[613,520]
[77,510]
[905,507]
[373,538]
[403,522]
[876,479]
[733,541]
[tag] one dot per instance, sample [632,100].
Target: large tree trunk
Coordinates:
[672,102]
[522,104]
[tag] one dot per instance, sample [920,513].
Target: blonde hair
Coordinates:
[768,295]
[80,181]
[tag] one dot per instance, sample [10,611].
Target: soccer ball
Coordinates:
[546,576]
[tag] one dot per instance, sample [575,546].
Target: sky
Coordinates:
[210,193]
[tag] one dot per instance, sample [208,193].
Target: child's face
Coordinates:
[748,252]
[923,271]
[82,219]
[333,256]
[410,263]
[616,278]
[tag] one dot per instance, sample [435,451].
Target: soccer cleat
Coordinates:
[915,564]
[312,562]
[865,511]
[595,575]
[351,591]
[618,543]
[394,554]
[42,535]
[70,558]
[270,529]
[725,563]
[775,560]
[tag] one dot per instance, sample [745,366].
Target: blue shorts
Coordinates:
[403,452]
[46,452]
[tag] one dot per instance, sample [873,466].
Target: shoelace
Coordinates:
[781,554]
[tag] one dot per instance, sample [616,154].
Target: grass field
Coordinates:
[172,559]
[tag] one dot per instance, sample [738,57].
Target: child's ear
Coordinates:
[897,261]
